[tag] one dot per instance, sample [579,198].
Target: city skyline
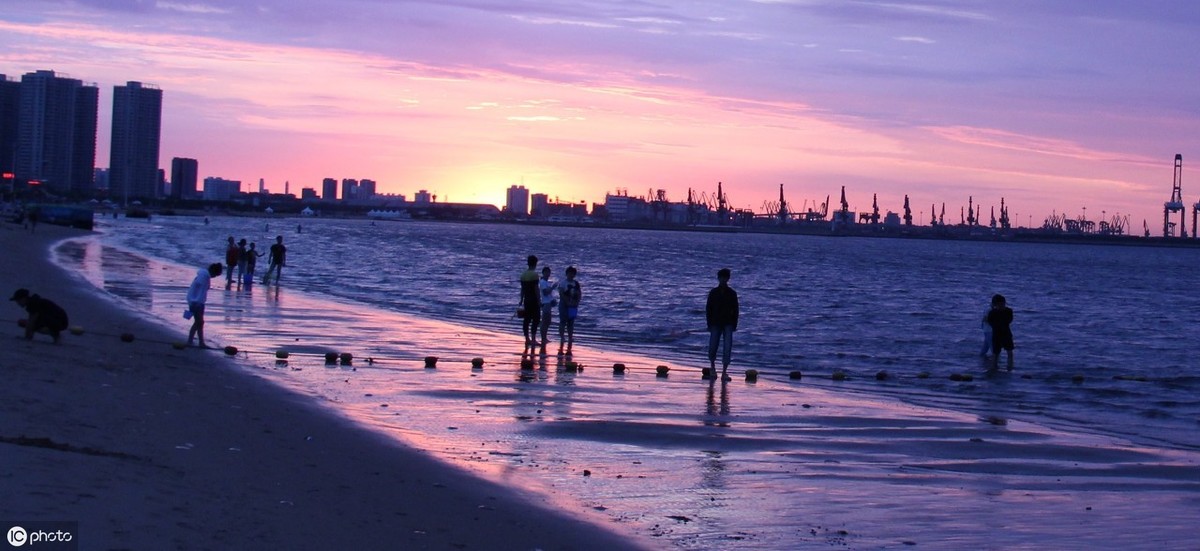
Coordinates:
[1053,106]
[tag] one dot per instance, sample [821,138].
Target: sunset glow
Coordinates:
[1054,106]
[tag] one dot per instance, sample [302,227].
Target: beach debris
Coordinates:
[618,369]
[881,376]
[839,375]
[125,337]
[431,362]
[231,350]
[526,365]
[476,363]
[751,375]
[347,358]
[331,358]
[281,354]
[796,375]
[76,330]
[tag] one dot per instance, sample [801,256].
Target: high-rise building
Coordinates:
[366,189]
[136,130]
[349,189]
[308,194]
[56,133]
[329,189]
[518,201]
[10,107]
[220,189]
[184,175]
[539,203]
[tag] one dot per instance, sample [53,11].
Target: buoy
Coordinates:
[881,376]
[331,358]
[796,375]
[662,370]
[179,345]
[839,375]
[527,365]
[76,330]
[231,351]
[477,363]
[574,367]
[126,337]
[281,354]
[707,373]
[751,375]
[618,369]
[431,362]
[347,358]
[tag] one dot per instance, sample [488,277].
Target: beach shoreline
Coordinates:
[146,446]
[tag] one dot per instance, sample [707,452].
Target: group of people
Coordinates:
[245,261]
[238,257]
[539,296]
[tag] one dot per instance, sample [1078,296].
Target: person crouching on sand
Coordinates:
[197,296]
[44,315]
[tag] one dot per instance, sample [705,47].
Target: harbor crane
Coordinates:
[1176,202]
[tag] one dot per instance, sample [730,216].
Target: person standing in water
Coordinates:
[987,334]
[232,254]
[569,295]
[721,314]
[276,260]
[547,289]
[252,256]
[531,301]
[1000,319]
[197,296]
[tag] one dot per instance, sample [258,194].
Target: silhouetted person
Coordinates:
[1000,318]
[232,254]
[987,334]
[241,262]
[197,296]
[276,260]
[721,313]
[44,315]
[546,290]
[531,301]
[569,295]
[252,256]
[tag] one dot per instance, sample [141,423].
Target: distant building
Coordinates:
[184,176]
[56,133]
[220,189]
[538,203]
[308,194]
[623,208]
[422,197]
[349,189]
[329,189]
[366,189]
[136,132]
[10,107]
[100,178]
[517,201]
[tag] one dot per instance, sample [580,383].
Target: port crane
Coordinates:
[1176,202]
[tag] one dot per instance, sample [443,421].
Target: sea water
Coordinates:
[1102,402]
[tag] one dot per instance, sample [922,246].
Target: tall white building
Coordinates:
[518,201]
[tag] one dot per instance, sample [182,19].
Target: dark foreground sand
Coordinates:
[148,447]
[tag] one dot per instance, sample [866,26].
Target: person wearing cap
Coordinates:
[44,315]
[197,296]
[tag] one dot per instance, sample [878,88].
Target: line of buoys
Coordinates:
[331,358]
[347,358]
[431,362]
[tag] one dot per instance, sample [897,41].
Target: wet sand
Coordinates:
[148,447]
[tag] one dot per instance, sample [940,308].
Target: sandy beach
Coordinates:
[149,447]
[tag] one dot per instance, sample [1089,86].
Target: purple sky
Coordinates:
[1053,105]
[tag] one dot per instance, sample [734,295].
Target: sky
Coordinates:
[1075,107]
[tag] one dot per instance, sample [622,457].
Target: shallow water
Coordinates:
[1013,461]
